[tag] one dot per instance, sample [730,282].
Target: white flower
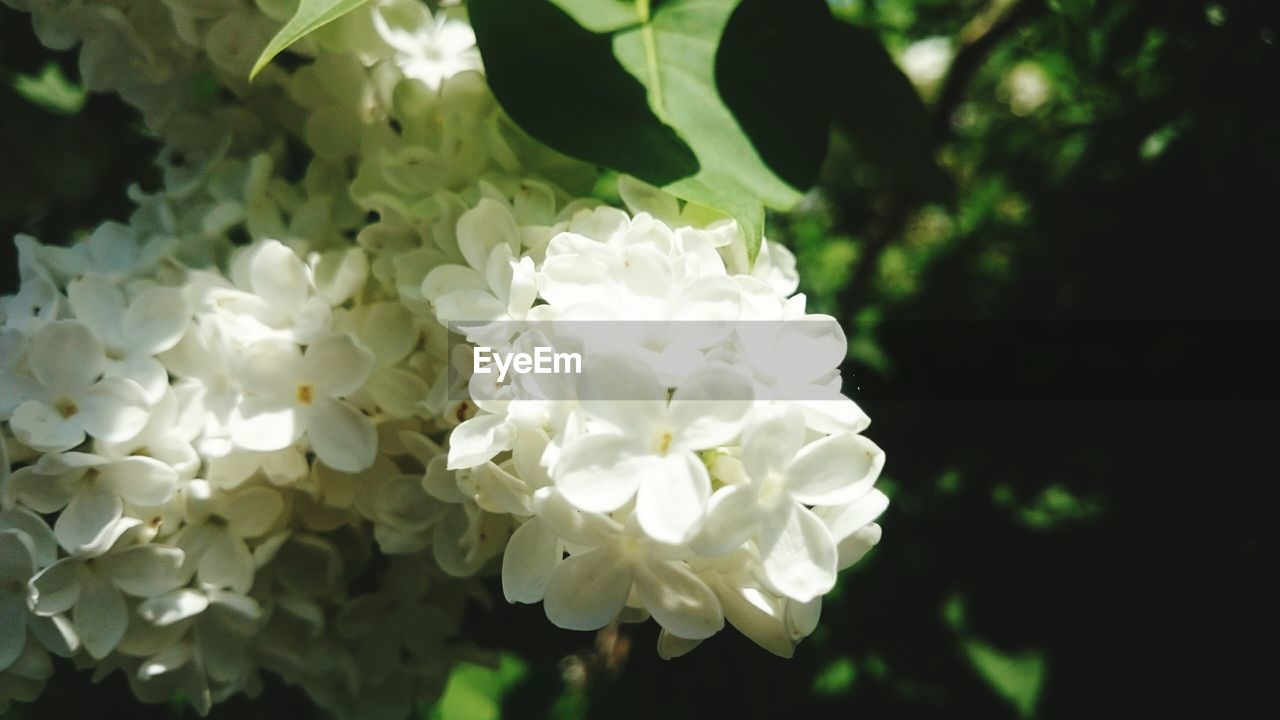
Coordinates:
[207,355]
[495,285]
[37,301]
[66,396]
[176,420]
[112,249]
[427,49]
[211,633]
[93,589]
[219,522]
[273,296]
[852,527]
[91,492]
[797,550]
[650,449]
[296,393]
[590,588]
[132,333]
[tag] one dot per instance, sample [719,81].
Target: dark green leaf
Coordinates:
[673,53]
[772,72]
[562,85]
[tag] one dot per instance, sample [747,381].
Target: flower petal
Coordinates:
[99,304]
[226,563]
[167,609]
[13,618]
[17,563]
[144,370]
[17,388]
[253,511]
[114,410]
[844,520]
[673,499]
[66,357]
[483,228]
[800,560]
[571,524]
[156,320]
[834,470]
[279,276]
[680,602]
[38,491]
[854,547]
[730,521]
[448,279]
[757,615]
[587,591]
[708,407]
[271,367]
[600,473]
[337,365]
[266,424]
[477,440]
[142,480]
[806,349]
[144,570]
[671,647]
[771,440]
[623,392]
[56,589]
[533,553]
[88,519]
[341,436]
[42,428]
[44,545]
[100,616]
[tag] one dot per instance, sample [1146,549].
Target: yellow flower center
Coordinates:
[66,407]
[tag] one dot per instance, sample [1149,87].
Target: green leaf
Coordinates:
[475,692]
[648,93]
[836,678]
[772,70]
[879,111]
[311,15]
[1017,678]
[51,90]
[673,53]
[562,85]
[601,16]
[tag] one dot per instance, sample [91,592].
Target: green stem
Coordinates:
[651,60]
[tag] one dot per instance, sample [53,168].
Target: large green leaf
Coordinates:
[641,88]
[561,84]
[311,15]
[673,53]
[773,72]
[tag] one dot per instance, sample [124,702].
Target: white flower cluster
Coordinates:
[235,437]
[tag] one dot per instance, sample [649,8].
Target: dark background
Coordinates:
[1062,328]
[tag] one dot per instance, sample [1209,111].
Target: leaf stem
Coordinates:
[651,60]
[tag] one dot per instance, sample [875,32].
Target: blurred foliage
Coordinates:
[1059,544]
[475,692]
